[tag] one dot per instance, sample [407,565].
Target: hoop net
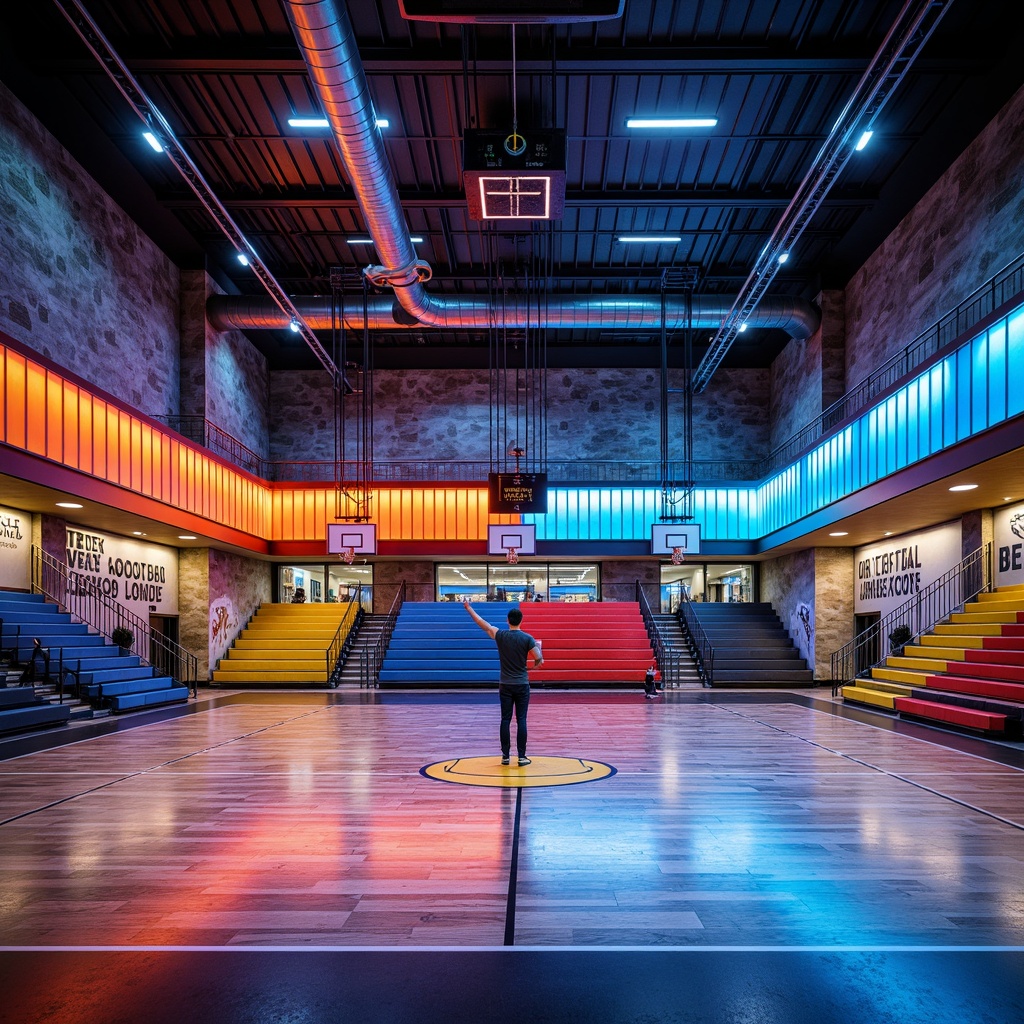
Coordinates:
[349,555]
[677,556]
[512,557]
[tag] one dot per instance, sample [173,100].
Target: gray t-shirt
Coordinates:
[513,648]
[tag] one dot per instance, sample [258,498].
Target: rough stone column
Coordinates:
[193,343]
[812,593]
[833,346]
[194,606]
[834,588]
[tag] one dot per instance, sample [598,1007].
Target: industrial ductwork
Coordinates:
[259,313]
[325,37]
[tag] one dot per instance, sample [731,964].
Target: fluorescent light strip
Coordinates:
[322,122]
[415,239]
[863,140]
[645,239]
[153,141]
[671,122]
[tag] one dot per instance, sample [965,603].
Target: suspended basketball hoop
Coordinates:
[512,557]
[677,556]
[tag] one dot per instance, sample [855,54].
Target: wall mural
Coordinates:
[1008,542]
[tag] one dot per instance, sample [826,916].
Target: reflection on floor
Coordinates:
[746,828]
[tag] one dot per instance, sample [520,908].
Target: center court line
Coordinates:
[508,949]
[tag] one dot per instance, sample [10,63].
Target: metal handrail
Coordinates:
[701,647]
[337,650]
[78,595]
[919,614]
[668,659]
[1001,288]
[372,658]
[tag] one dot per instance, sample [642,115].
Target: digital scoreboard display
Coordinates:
[518,492]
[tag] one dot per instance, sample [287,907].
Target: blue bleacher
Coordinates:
[436,642]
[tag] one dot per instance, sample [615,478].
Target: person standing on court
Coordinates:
[514,647]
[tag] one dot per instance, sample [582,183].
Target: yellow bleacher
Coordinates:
[285,644]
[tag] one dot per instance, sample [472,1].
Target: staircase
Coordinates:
[285,644]
[93,669]
[968,672]
[366,637]
[752,647]
[671,632]
[436,643]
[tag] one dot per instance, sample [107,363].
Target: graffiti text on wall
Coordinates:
[895,573]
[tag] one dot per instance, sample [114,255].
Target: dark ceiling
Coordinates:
[775,73]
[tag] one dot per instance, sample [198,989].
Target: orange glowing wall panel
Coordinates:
[46,415]
[401,513]
[42,413]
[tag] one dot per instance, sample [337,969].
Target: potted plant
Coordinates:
[900,636]
[124,638]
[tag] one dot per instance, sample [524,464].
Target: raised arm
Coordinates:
[482,623]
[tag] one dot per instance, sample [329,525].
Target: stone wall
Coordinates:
[238,586]
[218,593]
[834,585]
[597,414]
[194,607]
[388,577]
[80,283]
[224,378]
[966,228]
[788,585]
[618,580]
[795,388]
[812,592]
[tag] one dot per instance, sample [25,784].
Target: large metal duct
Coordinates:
[325,37]
[259,312]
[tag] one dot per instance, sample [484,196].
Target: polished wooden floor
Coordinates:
[735,822]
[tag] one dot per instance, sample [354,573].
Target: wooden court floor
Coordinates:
[741,824]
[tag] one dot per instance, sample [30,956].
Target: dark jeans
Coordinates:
[513,698]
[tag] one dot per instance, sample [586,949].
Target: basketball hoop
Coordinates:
[512,557]
[677,556]
[349,555]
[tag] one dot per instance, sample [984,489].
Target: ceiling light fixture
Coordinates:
[308,122]
[295,326]
[138,533]
[671,122]
[359,241]
[839,533]
[243,259]
[888,533]
[68,504]
[153,141]
[783,257]
[646,239]
[964,487]
[186,536]
[863,140]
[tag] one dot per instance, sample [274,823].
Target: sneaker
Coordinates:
[524,761]
[504,758]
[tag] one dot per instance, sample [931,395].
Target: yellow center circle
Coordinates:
[541,771]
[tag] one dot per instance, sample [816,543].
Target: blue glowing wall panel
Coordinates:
[978,386]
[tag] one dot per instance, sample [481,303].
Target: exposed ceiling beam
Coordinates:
[757,60]
[303,200]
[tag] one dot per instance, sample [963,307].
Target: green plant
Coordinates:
[123,637]
[899,636]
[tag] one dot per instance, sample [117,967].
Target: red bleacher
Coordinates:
[970,718]
[601,642]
